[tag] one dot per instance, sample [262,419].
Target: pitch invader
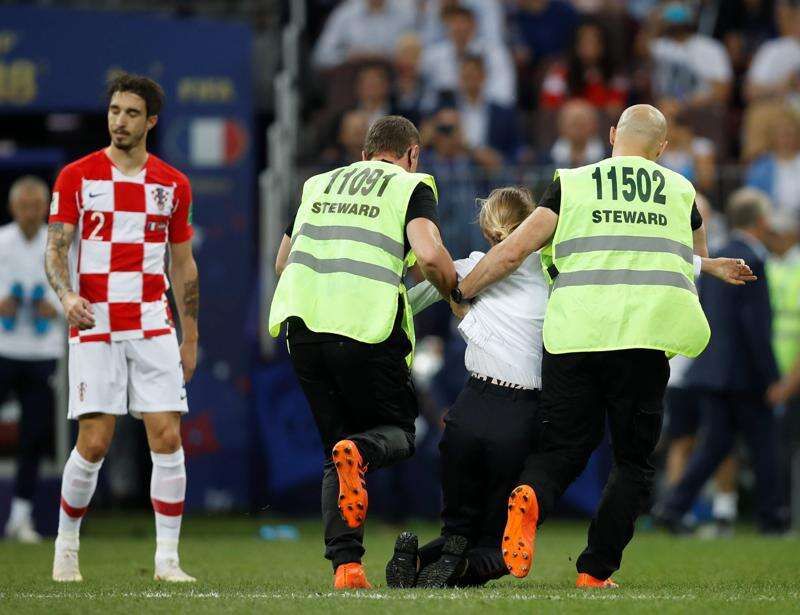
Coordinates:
[116,210]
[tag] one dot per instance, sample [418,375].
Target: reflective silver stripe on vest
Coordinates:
[605,277]
[624,243]
[344,265]
[351,233]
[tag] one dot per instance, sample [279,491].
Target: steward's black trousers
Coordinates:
[489,432]
[579,392]
[357,391]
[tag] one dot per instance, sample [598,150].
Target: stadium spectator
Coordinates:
[441,62]
[449,160]
[30,343]
[373,92]
[690,70]
[408,88]
[588,73]
[353,129]
[742,26]
[541,29]
[488,15]
[360,30]
[491,131]
[778,171]
[690,155]
[735,371]
[578,142]
[775,70]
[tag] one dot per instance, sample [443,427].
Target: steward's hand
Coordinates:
[730,270]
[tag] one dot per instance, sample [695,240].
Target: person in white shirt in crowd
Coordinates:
[777,172]
[32,339]
[775,70]
[488,14]
[441,62]
[494,423]
[689,154]
[490,130]
[690,70]
[578,142]
[362,29]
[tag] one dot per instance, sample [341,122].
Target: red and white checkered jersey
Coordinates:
[123,226]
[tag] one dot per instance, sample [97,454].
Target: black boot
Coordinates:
[449,567]
[401,571]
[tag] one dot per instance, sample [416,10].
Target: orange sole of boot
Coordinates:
[519,537]
[353,498]
[587,581]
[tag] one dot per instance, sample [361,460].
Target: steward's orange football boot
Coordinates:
[519,537]
[587,581]
[350,576]
[353,499]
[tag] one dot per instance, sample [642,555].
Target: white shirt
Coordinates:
[474,122]
[683,69]
[22,261]
[489,19]
[775,61]
[561,153]
[787,186]
[503,328]
[353,28]
[440,68]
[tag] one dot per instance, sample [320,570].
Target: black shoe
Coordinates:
[401,571]
[449,567]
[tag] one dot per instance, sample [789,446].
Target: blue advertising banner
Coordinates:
[59,60]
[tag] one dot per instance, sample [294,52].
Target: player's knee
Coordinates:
[166,441]
[94,446]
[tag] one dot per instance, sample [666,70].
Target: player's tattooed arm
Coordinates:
[56,260]
[186,286]
[191,298]
[77,310]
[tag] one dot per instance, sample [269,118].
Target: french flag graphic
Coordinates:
[216,142]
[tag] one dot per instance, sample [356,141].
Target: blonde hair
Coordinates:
[503,211]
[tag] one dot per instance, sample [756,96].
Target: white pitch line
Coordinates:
[614,595]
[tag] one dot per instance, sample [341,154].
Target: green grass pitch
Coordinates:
[239,572]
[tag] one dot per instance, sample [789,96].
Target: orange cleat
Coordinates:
[353,499]
[350,576]
[519,537]
[587,581]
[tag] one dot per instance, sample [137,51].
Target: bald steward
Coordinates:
[640,131]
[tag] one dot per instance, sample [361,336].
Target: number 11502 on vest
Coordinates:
[635,184]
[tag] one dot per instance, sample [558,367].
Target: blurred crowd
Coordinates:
[505,91]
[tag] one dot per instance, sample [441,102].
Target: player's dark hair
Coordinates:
[392,134]
[146,88]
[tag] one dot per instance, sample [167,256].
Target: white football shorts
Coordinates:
[142,375]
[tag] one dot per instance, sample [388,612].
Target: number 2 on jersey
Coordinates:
[100,217]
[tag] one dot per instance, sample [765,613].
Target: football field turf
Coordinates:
[240,572]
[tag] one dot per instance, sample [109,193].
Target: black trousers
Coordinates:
[30,383]
[723,416]
[489,432]
[362,392]
[580,391]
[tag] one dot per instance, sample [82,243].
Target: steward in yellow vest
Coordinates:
[350,329]
[622,234]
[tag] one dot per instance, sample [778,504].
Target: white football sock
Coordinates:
[77,487]
[167,492]
[725,506]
